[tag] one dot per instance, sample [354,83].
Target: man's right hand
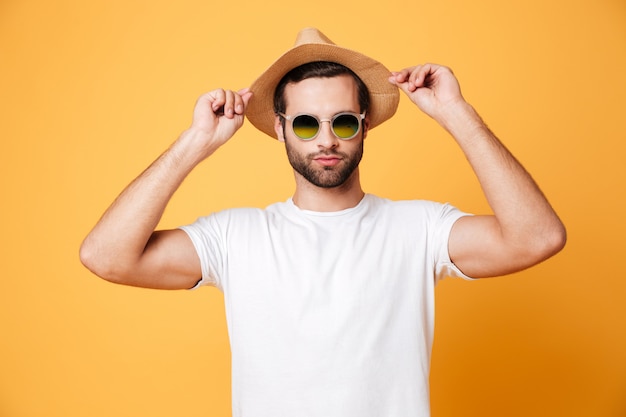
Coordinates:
[217,116]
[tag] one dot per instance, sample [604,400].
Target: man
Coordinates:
[329,295]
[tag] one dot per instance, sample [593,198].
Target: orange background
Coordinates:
[92,91]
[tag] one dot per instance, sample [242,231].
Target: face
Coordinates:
[325,161]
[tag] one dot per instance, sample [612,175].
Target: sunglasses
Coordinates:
[345,125]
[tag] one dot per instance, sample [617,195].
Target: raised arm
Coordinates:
[524,229]
[124,247]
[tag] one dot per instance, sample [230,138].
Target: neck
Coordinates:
[314,198]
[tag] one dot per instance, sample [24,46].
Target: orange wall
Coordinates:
[92,91]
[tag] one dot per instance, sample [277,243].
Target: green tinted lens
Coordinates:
[346,126]
[305,126]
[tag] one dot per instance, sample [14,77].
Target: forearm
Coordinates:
[523,214]
[119,239]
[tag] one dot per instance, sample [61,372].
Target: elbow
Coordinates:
[551,241]
[98,263]
[557,238]
[87,256]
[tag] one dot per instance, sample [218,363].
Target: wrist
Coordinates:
[458,117]
[193,146]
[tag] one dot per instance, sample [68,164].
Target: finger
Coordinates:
[398,77]
[241,101]
[241,98]
[206,105]
[408,79]
[243,91]
[237,104]
[217,98]
[229,103]
[419,76]
[209,99]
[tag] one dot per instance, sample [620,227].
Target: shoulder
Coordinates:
[238,215]
[409,206]
[414,213]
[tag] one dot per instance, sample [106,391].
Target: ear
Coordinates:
[278,128]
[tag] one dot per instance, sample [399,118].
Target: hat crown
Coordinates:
[311,35]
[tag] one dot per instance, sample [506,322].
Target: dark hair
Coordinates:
[318,69]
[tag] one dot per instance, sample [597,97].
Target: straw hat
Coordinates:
[312,45]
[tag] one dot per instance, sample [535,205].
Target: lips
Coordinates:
[327,161]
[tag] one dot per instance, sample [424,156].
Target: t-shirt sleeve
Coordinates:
[444,267]
[207,237]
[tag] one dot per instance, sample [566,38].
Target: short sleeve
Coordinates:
[207,238]
[439,239]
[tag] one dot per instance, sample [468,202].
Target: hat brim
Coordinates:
[384,96]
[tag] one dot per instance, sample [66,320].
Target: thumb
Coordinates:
[245,94]
[404,86]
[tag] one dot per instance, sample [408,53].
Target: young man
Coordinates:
[329,295]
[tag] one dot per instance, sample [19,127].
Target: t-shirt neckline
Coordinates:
[343,212]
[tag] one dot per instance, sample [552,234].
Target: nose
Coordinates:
[326,138]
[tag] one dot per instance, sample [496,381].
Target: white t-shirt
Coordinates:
[329,314]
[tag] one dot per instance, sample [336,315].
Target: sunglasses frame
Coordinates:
[359,116]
